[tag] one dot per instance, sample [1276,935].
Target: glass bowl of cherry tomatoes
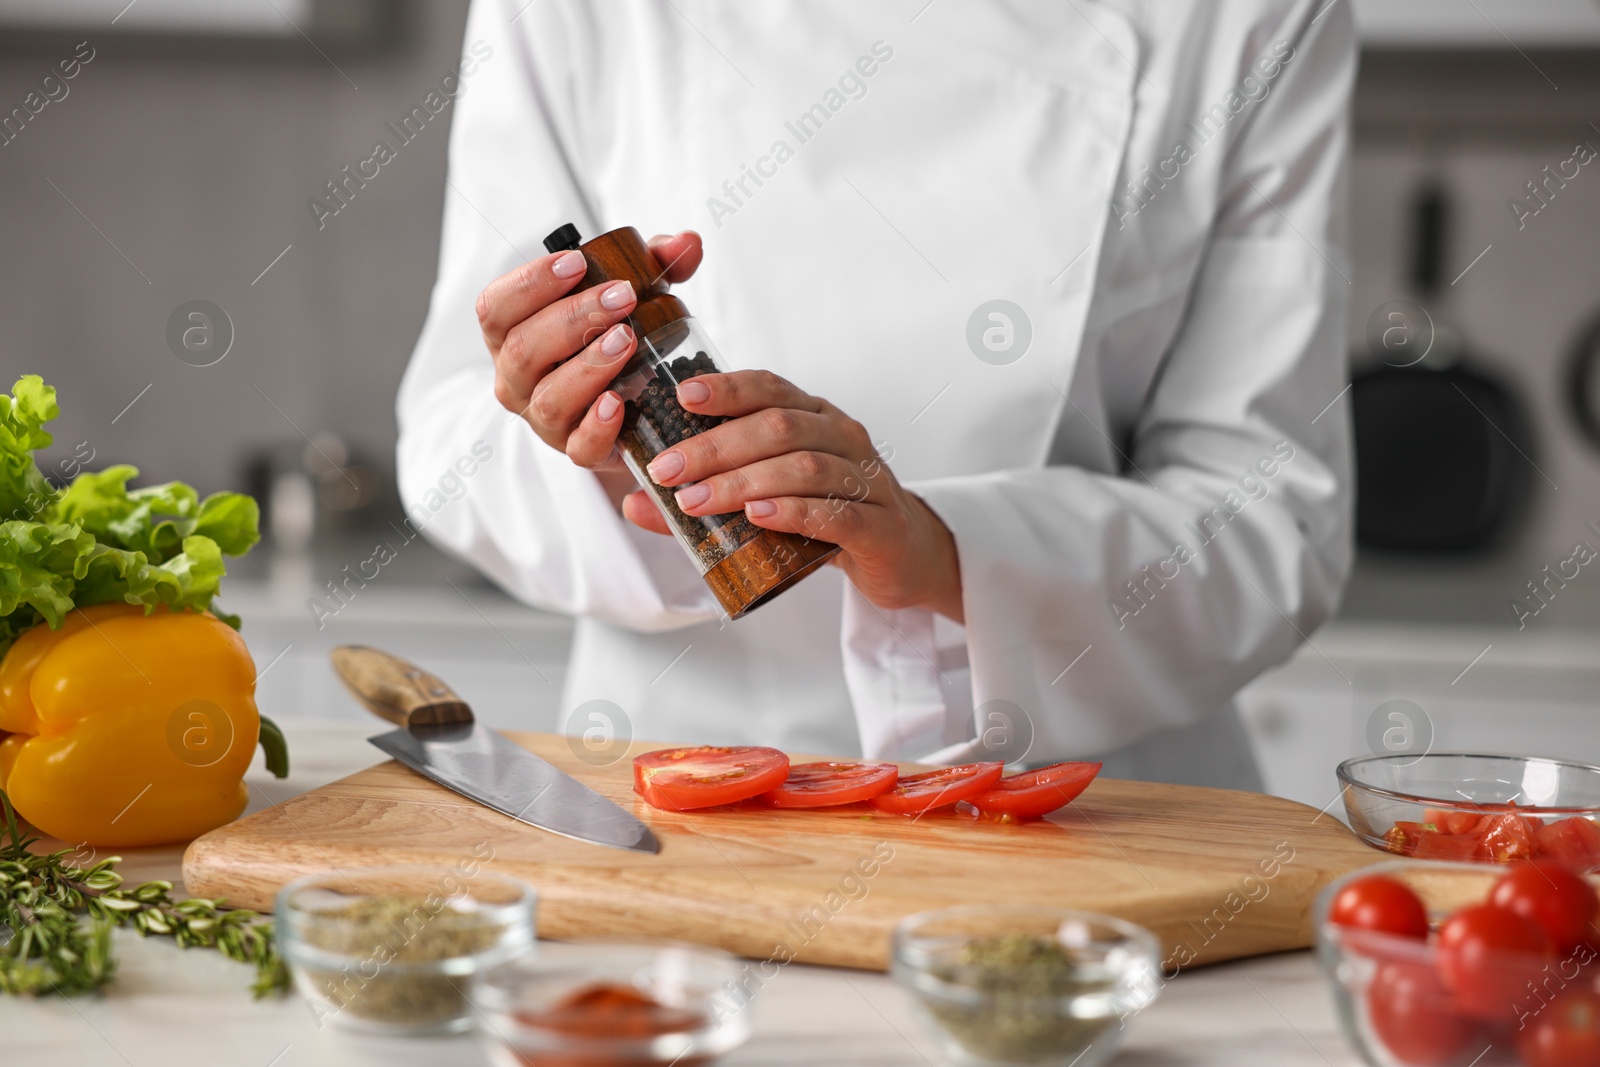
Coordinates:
[1475,809]
[1465,965]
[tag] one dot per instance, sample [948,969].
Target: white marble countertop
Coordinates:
[169,1007]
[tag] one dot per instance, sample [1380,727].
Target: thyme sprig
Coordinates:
[56,920]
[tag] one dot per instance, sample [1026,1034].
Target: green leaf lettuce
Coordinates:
[98,541]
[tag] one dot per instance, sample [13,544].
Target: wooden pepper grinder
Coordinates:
[744,564]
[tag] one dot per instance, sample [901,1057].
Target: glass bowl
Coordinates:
[1391,1004]
[393,949]
[614,1003]
[1476,809]
[1020,984]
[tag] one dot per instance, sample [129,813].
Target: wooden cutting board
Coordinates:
[1217,874]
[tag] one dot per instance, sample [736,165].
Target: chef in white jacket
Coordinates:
[1075,271]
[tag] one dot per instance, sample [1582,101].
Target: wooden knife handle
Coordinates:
[395,690]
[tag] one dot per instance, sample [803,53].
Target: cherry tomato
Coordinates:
[1552,895]
[1566,1033]
[824,785]
[1378,902]
[1413,1017]
[681,779]
[1486,956]
[1033,794]
[917,793]
[1509,838]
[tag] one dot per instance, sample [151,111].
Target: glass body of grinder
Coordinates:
[743,564]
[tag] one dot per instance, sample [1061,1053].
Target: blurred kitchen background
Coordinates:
[177,165]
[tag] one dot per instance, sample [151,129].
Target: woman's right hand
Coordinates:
[533,328]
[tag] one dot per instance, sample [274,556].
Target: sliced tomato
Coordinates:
[1462,848]
[917,793]
[1033,794]
[826,785]
[681,779]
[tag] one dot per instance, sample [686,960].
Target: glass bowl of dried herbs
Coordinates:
[602,1003]
[394,949]
[1010,984]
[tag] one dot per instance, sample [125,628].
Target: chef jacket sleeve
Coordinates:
[1225,539]
[540,526]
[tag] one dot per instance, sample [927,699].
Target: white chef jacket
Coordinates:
[1151,505]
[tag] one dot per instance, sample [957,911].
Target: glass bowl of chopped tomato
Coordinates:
[1475,808]
[606,1003]
[1436,964]
[1025,984]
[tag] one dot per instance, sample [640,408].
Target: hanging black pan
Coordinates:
[1444,448]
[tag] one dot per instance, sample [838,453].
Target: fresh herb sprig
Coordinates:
[56,921]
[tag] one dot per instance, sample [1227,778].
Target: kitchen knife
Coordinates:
[439,739]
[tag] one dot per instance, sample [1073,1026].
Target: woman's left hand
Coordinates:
[795,463]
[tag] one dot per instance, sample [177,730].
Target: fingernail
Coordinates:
[760,509]
[693,496]
[608,407]
[694,393]
[569,265]
[615,342]
[617,295]
[667,465]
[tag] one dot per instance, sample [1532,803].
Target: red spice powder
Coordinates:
[607,1010]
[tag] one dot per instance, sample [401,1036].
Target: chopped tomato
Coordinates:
[1403,837]
[917,793]
[1508,838]
[824,785]
[1575,841]
[1033,794]
[681,779]
[1452,821]
[1462,848]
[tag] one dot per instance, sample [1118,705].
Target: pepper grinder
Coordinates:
[744,564]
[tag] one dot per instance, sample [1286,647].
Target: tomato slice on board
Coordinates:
[682,779]
[1033,794]
[917,793]
[825,785]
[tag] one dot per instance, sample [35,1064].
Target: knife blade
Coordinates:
[439,739]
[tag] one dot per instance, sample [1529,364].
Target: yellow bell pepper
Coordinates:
[128,729]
